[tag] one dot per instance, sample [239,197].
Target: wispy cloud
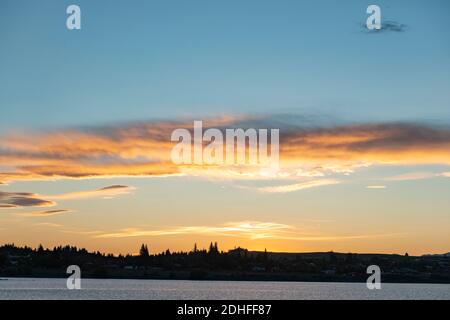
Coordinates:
[412,176]
[417,176]
[46,213]
[387,26]
[376,187]
[393,26]
[10,200]
[298,186]
[49,224]
[248,229]
[106,193]
[252,230]
[15,200]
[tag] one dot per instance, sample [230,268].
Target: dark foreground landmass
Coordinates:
[212,264]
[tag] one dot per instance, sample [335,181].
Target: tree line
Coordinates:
[213,263]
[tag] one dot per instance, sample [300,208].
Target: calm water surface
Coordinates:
[31,288]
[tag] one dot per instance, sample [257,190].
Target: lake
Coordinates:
[34,288]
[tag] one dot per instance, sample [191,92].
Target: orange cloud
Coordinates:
[143,149]
[382,143]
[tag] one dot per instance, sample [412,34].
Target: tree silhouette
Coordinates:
[3,259]
[143,252]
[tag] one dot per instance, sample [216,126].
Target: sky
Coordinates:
[86,118]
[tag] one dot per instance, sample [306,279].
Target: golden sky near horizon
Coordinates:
[344,188]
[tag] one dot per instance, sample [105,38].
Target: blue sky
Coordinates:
[160,59]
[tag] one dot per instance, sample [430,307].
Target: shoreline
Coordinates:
[328,280]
